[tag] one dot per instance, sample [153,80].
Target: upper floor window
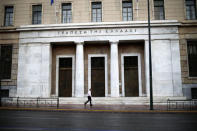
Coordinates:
[192,58]
[159,9]
[127,11]
[8,20]
[36,14]
[190,9]
[96,12]
[6,61]
[66,13]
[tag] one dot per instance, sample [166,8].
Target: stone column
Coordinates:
[114,70]
[147,69]
[79,76]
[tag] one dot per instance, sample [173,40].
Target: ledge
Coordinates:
[8,29]
[157,23]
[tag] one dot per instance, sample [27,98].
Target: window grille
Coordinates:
[66,13]
[96,12]
[190,9]
[127,11]
[159,9]
[8,20]
[192,58]
[36,14]
[6,61]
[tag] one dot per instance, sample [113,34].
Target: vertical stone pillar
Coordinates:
[45,73]
[34,71]
[79,76]
[147,69]
[114,70]
[176,68]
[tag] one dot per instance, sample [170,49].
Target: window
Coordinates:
[6,61]
[66,13]
[36,14]
[159,9]
[190,9]
[192,58]
[96,12]
[8,20]
[194,93]
[127,11]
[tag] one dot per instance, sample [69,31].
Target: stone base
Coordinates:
[120,101]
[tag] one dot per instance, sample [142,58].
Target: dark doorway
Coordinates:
[131,76]
[98,76]
[65,77]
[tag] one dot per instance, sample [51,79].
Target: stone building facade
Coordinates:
[64,48]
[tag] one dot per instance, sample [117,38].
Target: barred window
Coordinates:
[190,9]
[159,9]
[36,14]
[96,12]
[6,61]
[66,13]
[8,19]
[192,58]
[127,11]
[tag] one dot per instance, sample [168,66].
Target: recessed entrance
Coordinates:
[131,76]
[97,74]
[65,76]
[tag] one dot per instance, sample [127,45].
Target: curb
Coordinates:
[95,110]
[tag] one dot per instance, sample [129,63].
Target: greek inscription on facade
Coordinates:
[97,32]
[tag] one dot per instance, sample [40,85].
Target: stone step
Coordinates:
[120,100]
[99,100]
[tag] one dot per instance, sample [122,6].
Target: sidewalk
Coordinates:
[99,108]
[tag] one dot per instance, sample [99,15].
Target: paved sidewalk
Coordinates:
[98,108]
[114,107]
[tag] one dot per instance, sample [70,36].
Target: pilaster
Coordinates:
[147,68]
[79,81]
[114,70]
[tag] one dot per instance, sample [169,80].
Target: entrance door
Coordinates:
[98,76]
[65,77]
[131,83]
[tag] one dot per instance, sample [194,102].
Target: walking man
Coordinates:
[89,98]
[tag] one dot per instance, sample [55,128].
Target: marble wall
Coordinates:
[34,77]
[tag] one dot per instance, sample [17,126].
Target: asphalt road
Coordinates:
[84,121]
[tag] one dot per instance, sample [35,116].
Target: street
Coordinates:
[96,121]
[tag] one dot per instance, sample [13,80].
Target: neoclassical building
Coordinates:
[64,48]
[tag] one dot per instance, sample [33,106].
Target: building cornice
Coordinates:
[189,23]
[138,24]
[8,29]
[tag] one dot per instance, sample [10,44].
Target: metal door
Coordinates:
[98,76]
[131,76]
[65,77]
